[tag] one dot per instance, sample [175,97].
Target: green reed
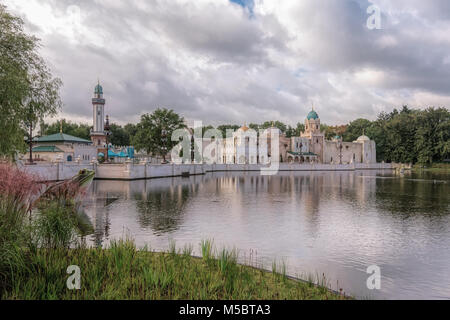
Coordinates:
[123,272]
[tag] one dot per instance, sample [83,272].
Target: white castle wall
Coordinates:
[129,171]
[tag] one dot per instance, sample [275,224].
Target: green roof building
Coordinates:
[61,138]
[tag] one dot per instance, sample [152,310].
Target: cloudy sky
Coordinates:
[223,61]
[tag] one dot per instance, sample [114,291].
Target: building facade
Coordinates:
[244,147]
[64,147]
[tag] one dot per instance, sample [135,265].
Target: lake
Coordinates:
[332,223]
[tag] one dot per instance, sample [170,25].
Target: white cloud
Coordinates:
[213,61]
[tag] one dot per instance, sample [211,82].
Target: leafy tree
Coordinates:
[119,136]
[131,130]
[224,129]
[80,130]
[356,129]
[277,124]
[300,128]
[28,92]
[400,135]
[154,132]
[433,136]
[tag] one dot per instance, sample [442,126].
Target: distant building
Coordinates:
[310,147]
[99,135]
[61,146]
[68,148]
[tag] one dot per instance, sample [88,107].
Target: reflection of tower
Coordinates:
[98,133]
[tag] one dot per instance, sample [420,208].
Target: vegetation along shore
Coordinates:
[42,236]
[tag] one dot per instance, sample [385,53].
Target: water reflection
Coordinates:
[338,223]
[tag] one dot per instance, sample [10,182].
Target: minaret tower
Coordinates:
[98,133]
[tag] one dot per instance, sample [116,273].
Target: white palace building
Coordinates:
[310,147]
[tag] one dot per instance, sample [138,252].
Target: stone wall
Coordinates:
[128,171]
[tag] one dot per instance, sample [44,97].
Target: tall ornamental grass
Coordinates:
[18,194]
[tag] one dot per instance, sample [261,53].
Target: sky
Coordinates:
[244,61]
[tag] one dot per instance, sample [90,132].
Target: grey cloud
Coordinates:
[214,62]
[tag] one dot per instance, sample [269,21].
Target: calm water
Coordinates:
[336,223]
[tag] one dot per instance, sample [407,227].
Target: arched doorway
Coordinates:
[69,158]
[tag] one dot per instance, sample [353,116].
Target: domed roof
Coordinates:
[363,138]
[312,115]
[244,128]
[98,89]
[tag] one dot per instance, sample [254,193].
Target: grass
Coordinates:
[436,167]
[37,249]
[123,272]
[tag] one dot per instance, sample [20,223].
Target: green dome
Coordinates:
[313,115]
[98,89]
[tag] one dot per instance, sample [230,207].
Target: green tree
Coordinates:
[225,128]
[432,139]
[119,136]
[277,124]
[131,130]
[154,132]
[400,137]
[28,92]
[356,129]
[80,130]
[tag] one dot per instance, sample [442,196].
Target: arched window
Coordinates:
[69,158]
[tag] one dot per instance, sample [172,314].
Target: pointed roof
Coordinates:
[61,137]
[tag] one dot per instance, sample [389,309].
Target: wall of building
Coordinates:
[350,151]
[369,152]
[129,171]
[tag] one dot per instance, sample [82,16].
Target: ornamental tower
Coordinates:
[313,133]
[98,133]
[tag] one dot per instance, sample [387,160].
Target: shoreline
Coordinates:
[143,171]
[122,271]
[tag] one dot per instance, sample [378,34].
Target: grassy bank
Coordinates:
[437,168]
[123,272]
[40,233]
